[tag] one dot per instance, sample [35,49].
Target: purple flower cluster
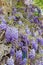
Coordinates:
[28,31]
[32,54]
[35,44]
[11,34]
[40,41]
[12,51]
[24,45]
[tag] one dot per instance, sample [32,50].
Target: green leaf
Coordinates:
[39,3]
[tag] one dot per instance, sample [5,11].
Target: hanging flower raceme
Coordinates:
[10,61]
[23,62]
[35,44]
[40,40]
[20,44]
[32,54]
[19,55]
[11,34]
[12,51]
[28,31]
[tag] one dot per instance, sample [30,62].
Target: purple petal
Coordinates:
[12,51]
[3,26]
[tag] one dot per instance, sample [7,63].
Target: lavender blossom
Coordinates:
[20,44]
[11,34]
[12,51]
[40,40]
[35,44]
[40,32]
[32,54]
[23,62]
[10,61]
[28,31]
[3,26]
[19,54]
